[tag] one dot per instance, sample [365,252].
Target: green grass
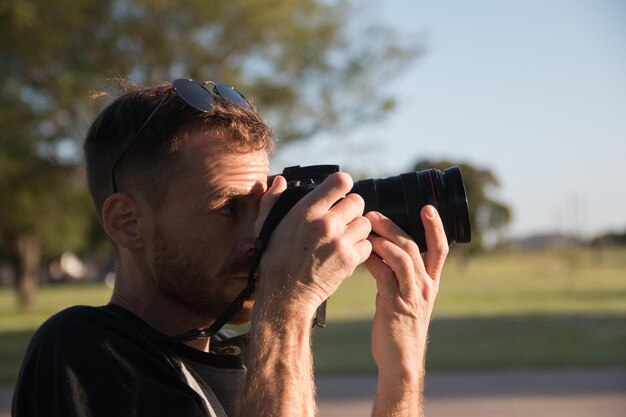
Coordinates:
[50,299]
[563,308]
[534,283]
[504,310]
[478,343]
[17,327]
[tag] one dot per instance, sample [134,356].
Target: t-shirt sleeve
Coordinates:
[81,364]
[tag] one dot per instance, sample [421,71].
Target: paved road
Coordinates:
[568,393]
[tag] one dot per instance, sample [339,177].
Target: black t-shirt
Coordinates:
[104,361]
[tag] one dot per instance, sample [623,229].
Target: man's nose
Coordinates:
[246,243]
[247,236]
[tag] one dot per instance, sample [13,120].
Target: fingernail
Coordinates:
[431,213]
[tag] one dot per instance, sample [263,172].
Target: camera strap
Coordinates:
[282,206]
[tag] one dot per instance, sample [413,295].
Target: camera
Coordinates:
[400,197]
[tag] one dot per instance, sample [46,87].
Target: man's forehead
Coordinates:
[226,172]
[214,145]
[244,161]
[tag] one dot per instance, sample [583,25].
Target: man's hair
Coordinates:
[150,163]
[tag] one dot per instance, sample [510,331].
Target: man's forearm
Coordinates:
[280,370]
[400,396]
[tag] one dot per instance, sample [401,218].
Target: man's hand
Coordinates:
[407,286]
[318,244]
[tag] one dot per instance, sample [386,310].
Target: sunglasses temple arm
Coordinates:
[130,144]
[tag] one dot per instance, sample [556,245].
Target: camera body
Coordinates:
[400,197]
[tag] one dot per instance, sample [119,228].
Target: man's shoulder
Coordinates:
[94,339]
[102,359]
[100,330]
[75,320]
[76,315]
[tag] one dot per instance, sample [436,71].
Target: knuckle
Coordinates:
[442,253]
[349,259]
[412,249]
[364,224]
[307,216]
[349,262]
[367,249]
[431,288]
[322,226]
[343,180]
[334,246]
[406,266]
[302,211]
[356,201]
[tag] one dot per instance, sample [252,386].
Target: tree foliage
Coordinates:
[487,215]
[304,61]
[310,65]
[609,239]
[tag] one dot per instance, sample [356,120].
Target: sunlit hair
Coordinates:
[150,163]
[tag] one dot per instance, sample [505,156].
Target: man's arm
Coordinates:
[407,287]
[280,365]
[317,245]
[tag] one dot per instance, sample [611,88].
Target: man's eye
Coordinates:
[228,209]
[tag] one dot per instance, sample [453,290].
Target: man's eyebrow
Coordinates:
[217,197]
[228,193]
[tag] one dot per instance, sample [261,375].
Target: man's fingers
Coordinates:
[386,283]
[331,190]
[349,208]
[436,241]
[268,200]
[358,229]
[387,229]
[399,265]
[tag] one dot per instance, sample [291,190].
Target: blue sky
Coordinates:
[533,90]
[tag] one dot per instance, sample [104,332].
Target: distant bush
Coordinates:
[609,239]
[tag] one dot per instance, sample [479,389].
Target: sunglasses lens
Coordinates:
[194,94]
[229,93]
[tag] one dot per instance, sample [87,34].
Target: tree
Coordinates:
[609,239]
[47,217]
[310,65]
[486,214]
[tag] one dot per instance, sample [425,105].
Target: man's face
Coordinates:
[204,230]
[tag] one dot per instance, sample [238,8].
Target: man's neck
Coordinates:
[170,324]
[136,292]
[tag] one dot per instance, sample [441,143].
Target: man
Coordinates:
[179,177]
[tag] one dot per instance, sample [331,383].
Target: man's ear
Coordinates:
[120,220]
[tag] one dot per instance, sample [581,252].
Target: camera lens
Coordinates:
[402,197]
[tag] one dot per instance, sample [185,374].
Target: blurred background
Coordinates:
[528,97]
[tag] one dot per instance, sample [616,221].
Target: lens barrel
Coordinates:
[402,197]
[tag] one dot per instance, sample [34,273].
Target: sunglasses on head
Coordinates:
[197,96]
